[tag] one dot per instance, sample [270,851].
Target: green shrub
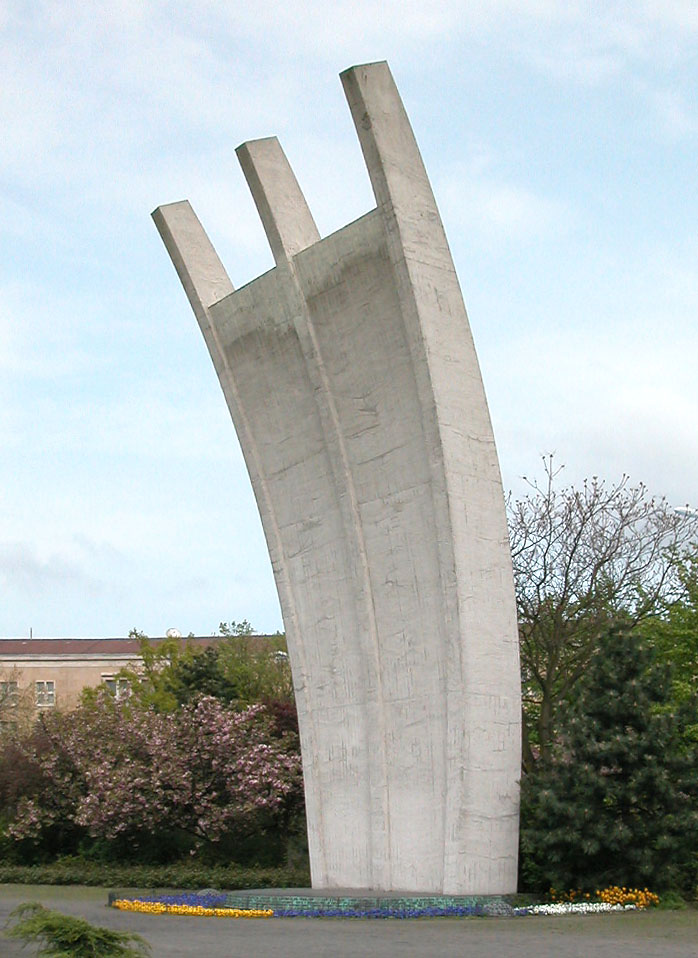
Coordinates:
[671,901]
[62,936]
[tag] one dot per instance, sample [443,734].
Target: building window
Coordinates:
[119,688]
[45,693]
[8,694]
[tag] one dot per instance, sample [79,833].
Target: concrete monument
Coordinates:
[352,380]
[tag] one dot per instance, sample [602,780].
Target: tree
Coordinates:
[115,771]
[616,801]
[30,762]
[674,634]
[236,628]
[16,702]
[240,668]
[255,668]
[585,560]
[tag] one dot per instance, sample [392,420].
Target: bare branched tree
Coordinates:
[584,560]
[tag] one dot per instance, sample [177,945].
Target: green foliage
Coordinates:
[236,628]
[674,636]
[253,670]
[240,669]
[156,683]
[617,801]
[62,936]
[671,901]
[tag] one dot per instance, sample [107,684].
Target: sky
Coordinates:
[561,143]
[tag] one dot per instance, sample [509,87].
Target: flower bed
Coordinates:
[221,905]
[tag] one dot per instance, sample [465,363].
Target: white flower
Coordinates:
[573,908]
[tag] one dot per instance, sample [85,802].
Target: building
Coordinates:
[51,673]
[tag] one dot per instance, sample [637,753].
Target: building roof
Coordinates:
[34,647]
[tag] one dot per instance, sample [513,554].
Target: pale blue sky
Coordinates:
[560,138]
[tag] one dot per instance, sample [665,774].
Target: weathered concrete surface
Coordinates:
[352,379]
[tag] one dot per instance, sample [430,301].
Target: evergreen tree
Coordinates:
[617,801]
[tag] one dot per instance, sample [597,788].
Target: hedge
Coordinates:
[76,871]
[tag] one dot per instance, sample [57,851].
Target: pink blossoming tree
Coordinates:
[115,771]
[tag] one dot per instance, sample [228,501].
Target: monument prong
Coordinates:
[198,266]
[282,208]
[393,160]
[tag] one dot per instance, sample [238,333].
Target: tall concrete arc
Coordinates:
[352,380]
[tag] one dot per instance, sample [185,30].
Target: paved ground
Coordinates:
[640,935]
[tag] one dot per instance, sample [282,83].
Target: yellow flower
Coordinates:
[159,908]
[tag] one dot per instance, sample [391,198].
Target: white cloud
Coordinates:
[593,45]
[675,115]
[679,15]
[498,210]
[44,333]
[610,400]
[24,569]
[672,277]
[112,422]
[6,343]
[604,376]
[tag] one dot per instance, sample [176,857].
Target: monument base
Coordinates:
[365,902]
